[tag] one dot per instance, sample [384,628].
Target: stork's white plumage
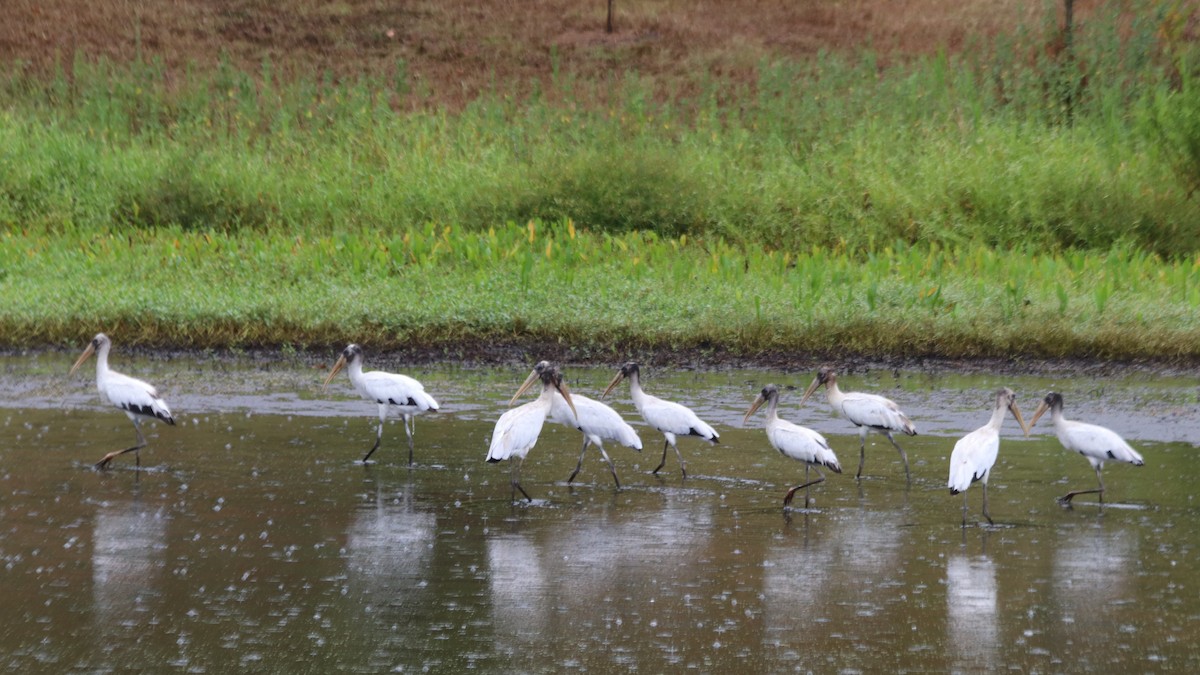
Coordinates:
[869,412]
[799,443]
[518,429]
[975,454]
[386,389]
[670,418]
[137,398]
[1098,444]
[597,421]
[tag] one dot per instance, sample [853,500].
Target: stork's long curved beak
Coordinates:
[611,385]
[1041,410]
[91,348]
[1020,420]
[811,388]
[336,367]
[533,377]
[566,394]
[754,408]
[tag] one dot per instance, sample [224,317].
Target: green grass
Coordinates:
[593,294]
[1000,203]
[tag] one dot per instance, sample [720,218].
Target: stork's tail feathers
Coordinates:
[833,466]
[430,403]
[955,491]
[1135,458]
[157,409]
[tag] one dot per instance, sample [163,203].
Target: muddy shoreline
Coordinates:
[688,358]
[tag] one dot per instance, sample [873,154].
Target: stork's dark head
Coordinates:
[99,343]
[826,375]
[550,377]
[544,371]
[1052,402]
[630,370]
[1007,398]
[350,354]
[768,393]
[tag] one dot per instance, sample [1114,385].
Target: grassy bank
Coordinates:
[592,295]
[1014,200]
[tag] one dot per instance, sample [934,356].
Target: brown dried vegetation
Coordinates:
[454,49]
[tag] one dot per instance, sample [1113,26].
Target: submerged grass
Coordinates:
[445,289]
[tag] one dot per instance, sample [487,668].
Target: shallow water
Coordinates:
[254,538]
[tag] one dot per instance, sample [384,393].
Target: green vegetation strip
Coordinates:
[448,289]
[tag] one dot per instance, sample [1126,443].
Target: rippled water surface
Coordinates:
[252,536]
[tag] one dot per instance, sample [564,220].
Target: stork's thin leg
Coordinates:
[907,476]
[682,464]
[1065,500]
[787,500]
[985,508]
[141,443]
[409,428]
[611,467]
[378,438]
[516,481]
[579,465]
[862,450]
[964,508]
[379,433]
[666,444]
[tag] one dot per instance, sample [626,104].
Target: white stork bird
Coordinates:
[386,389]
[975,453]
[869,412]
[670,418]
[597,421]
[792,440]
[1098,444]
[137,398]
[517,430]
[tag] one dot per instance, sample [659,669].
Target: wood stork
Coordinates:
[795,441]
[869,412]
[1098,444]
[517,429]
[137,398]
[387,389]
[670,418]
[597,421]
[975,453]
